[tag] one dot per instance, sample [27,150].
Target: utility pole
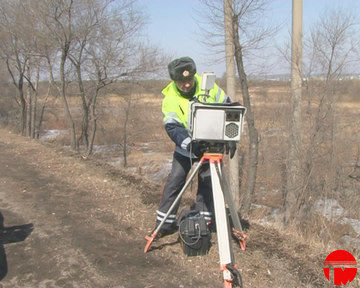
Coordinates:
[293,168]
[231,92]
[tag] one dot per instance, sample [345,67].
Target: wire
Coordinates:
[236,274]
[188,243]
[191,164]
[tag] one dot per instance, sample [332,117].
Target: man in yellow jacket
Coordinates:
[184,87]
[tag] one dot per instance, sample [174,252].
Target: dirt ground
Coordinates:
[73,222]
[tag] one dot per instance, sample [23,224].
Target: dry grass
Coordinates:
[274,256]
[149,147]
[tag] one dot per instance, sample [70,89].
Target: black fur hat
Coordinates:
[182,68]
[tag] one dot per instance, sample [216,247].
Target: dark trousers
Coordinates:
[181,166]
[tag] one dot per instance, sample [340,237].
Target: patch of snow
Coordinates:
[275,218]
[329,208]
[107,148]
[258,206]
[116,161]
[355,223]
[160,175]
[351,241]
[52,134]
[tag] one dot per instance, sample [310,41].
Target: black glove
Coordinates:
[198,148]
[231,148]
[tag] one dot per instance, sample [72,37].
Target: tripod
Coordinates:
[222,201]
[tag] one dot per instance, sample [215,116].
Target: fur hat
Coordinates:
[182,68]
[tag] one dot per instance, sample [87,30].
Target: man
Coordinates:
[184,87]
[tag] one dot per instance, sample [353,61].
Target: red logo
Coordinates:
[340,267]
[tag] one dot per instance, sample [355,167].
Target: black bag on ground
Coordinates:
[194,233]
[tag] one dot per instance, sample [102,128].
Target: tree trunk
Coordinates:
[23,109]
[34,108]
[74,145]
[85,109]
[42,111]
[29,105]
[231,92]
[253,133]
[93,123]
[29,100]
[127,113]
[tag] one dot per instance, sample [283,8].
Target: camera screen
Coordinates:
[232,116]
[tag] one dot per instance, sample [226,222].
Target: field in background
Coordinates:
[150,150]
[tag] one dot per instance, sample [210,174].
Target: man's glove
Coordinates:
[198,148]
[231,148]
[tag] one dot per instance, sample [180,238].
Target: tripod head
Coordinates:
[211,148]
[214,147]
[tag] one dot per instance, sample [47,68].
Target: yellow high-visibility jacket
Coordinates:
[175,109]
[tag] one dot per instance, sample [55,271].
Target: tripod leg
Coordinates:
[229,200]
[151,238]
[237,231]
[222,225]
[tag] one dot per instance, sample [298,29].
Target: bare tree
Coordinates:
[330,46]
[19,52]
[253,133]
[90,42]
[329,53]
[90,36]
[58,18]
[248,37]
[14,50]
[113,53]
[32,95]
[88,26]
[41,48]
